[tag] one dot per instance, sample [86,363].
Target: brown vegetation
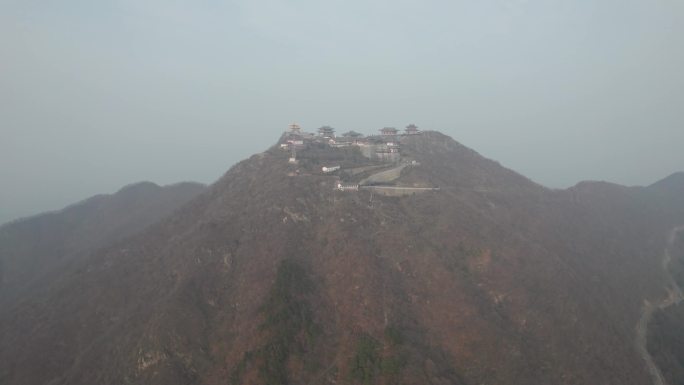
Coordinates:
[270,278]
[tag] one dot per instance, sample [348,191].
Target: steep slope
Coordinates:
[672,183]
[668,194]
[666,330]
[30,248]
[273,277]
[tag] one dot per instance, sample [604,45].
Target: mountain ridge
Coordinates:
[491,279]
[30,247]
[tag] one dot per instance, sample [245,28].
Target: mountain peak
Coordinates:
[674,182]
[391,258]
[391,163]
[138,187]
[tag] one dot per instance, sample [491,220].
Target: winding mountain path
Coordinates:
[674,296]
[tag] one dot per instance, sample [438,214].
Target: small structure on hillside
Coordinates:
[352,134]
[330,169]
[326,132]
[295,129]
[412,129]
[293,154]
[388,131]
[347,187]
[386,154]
[294,139]
[348,139]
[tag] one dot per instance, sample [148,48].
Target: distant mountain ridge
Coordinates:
[33,246]
[674,182]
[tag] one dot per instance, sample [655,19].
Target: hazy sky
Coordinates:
[98,94]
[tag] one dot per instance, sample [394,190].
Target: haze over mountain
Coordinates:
[446,269]
[96,94]
[348,257]
[32,248]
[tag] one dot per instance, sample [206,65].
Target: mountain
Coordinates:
[666,330]
[34,247]
[673,183]
[447,269]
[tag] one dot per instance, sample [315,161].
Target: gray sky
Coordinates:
[98,94]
